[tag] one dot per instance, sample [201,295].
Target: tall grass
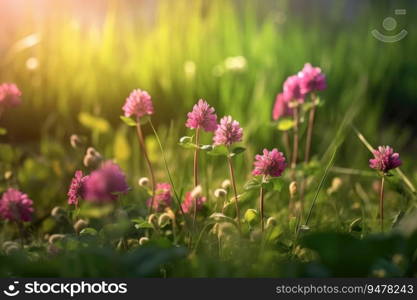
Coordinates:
[180,51]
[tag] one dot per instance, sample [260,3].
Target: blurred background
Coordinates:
[76,62]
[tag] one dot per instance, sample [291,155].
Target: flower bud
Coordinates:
[57,212]
[164,219]
[226,184]
[92,159]
[218,193]
[80,225]
[153,219]
[92,151]
[8,175]
[11,249]
[7,244]
[196,192]
[336,184]
[251,216]
[75,141]
[55,238]
[293,189]
[271,222]
[143,181]
[143,240]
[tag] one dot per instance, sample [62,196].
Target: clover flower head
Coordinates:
[292,89]
[271,163]
[281,107]
[163,197]
[138,104]
[385,159]
[104,184]
[10,95]
[16,206]
[188,204]
[202,116]
[76,189]
[228,132]
[311,79]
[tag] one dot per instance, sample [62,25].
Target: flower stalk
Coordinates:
[148,162]
[195,171]
[381,203]
[296,140]
[261,205]
[310,129]
[232,177]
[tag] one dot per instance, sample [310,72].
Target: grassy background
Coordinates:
[91,55]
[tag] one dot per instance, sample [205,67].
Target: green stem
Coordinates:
[195,171]
[381,203]
[286,140]
[295,142]
[261,207]
[310,130]
[145,154]
[21,233]
[168,171]
[232,177]
[326,171]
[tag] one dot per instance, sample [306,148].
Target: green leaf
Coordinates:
[186,142]
[276,183]
[88,232]
[3,131]
[186,139]
[128,121]
[219,151]
[206,147]
[237,151]
[356,225]
[144,225]
[285,124]
[253,183]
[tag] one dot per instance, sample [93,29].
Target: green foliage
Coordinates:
[235,54]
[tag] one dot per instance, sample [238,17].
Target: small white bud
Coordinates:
[293,189]
[75,141]
[8,175]
[226,184]
[271,222]
[92,159]
[218,193]
[143,181]
[196,192]
[153,219]
[57,212]
[11,249]
[143,240]
[56,237]
[80,225]
[164,219]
